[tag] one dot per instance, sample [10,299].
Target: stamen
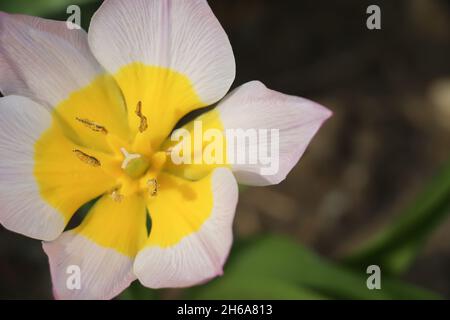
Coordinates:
[92,125]
[143,125]
[116,196]
[87,158]
[154,186]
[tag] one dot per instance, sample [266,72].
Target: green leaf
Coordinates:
[256,287]
[276,268]
[396,247]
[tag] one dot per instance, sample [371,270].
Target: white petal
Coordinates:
[45,60]
[182,35]
[104,272]
[199,256]
[22,122]
[253,106]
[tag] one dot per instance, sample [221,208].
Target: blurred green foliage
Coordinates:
[273,267]
[39,7]
[396,247]
[52,9]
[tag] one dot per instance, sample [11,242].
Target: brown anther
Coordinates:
[92,125]
[87,158]
[154,186]
[143,125]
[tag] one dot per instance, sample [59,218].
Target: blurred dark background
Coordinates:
[390,93]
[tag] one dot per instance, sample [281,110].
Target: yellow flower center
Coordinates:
[79,157]
[138,172]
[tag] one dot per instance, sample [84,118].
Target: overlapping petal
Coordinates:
[173,56]
[246,118]
[254,106]
[191,231]
[52,64]
[42,183]
[102,249]
[43,59]
[22,208]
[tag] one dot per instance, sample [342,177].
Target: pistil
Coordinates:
[134,165]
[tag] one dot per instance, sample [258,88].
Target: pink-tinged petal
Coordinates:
[171,260]
[22,209]
[182,35]
[43,59]
[76,37]
[253,106]
[102,249]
